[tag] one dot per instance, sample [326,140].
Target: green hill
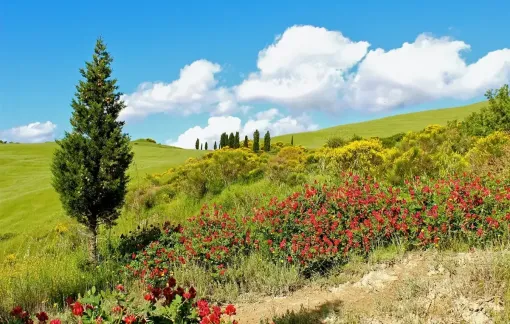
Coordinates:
[382,127]
[28,203]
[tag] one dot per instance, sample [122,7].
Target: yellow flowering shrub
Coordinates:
[363,157]
[288,165]
[491,154]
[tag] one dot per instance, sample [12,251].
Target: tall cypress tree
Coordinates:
[231,140]
[246,141]
[292,140]
[90,163]
[237,141]
[215,146]
[197,144]
[267,142]
[206,146]
[256,138]
[201,147]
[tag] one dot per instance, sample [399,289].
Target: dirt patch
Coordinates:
[420,288]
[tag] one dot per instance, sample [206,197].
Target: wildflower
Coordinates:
[78,309]
[129,319]
[120,287]
[42,316]
[16,311]
[99,320]
[117,309]
[230,310]
[203,308]
[55,321]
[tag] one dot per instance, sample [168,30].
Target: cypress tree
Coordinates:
[256,138]
[267,142]
[206,146]
[292,140]
[237,140]
[246,141]
[90,163]
[201,147]
[215,146]
[197,144]
[231,140]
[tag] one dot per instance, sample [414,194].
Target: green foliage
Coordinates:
[215,146]
[237,141]
[292,140]
[491,154]
[392,141]
[495,117]
[335,142]
[90,164]
[256,139]
[246,141]
[288,166]
[231,141]
[206,146]
[197,144]
[150,140]
[267,142]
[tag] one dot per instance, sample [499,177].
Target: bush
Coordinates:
[288,165]
[364,156]
[491,154]
[335,142]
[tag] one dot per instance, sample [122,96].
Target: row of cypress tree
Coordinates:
[234,141]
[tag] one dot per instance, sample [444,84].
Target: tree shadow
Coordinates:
[330,311]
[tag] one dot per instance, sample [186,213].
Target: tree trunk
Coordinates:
[93,246]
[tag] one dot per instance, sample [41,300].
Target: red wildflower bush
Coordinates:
[322,225]
[163,304]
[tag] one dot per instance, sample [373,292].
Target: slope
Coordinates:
[382,127]
[28,203]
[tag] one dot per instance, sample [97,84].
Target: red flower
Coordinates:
[78,309]
[230,310]
[129,319]
[55,321]
[16,311]
[42,316]
[148,297]
[172,282]
[120,287]
[117,309]
[203,308]
[186,295]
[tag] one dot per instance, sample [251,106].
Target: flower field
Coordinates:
[321,226]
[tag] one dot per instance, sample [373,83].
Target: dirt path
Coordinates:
[416,289]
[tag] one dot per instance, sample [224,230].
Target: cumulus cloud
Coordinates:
[270,120]
[195,91]
[32,133]
[314,68]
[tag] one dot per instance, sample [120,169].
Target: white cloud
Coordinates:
[194,92]
[32,133]
[314,68]
[304,68]
[427,69]
[270,120]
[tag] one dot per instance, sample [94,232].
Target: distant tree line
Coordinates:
[234,141]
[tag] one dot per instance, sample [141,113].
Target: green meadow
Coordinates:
[30,208]
[383,127]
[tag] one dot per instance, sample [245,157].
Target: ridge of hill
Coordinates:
[382,127]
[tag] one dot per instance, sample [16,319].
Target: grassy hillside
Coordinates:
[382,127]
[28,203]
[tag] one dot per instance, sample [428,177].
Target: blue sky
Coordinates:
[320,72]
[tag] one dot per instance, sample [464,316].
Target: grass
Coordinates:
[30,208]
[383,127]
